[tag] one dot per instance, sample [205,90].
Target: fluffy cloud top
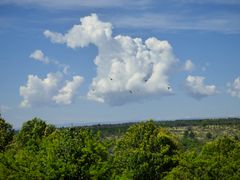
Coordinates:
[91,30]
[39,56]
[66,94]
[234,88]
[38,92]
[189,66]
[197,89]
[128,69]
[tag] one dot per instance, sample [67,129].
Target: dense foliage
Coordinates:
[6,134]
[143,151]
[219,159]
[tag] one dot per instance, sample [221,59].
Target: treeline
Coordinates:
[201,122]
[145,151]
[120,129]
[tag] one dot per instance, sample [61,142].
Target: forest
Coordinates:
[181,149]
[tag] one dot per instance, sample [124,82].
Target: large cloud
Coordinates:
[197,89]
[234,88]
[128,69]
[49,91]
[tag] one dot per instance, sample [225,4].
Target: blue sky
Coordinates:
[188,65]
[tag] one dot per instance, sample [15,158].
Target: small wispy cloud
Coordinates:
[234,88]
[4,108]
[73,4]
[63,4]
[153,15]
[197,89]
[188,66]
[38,55]
[223,2]
[168,21]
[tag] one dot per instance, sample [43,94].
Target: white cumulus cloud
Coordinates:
[39,92]
[197,89]
[234,88]
[39,56]
[91,30]
[128,69]
[65,94]
[189,66]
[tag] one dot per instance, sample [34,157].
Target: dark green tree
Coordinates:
[6,134]
[209,135]
[191,135]
[186,134]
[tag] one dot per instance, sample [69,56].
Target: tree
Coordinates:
[188,140]
[209,135]
[185,134]
[191,135]
[33,131]
[65,154]
[22,160]
[74,154]
[145,152]
[219,159]
[6,134]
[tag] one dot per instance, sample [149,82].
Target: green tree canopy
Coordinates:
[64,154]
[145,152]
[75,154]
[219,159]
[33,131]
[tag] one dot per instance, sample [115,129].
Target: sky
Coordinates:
[87,62]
